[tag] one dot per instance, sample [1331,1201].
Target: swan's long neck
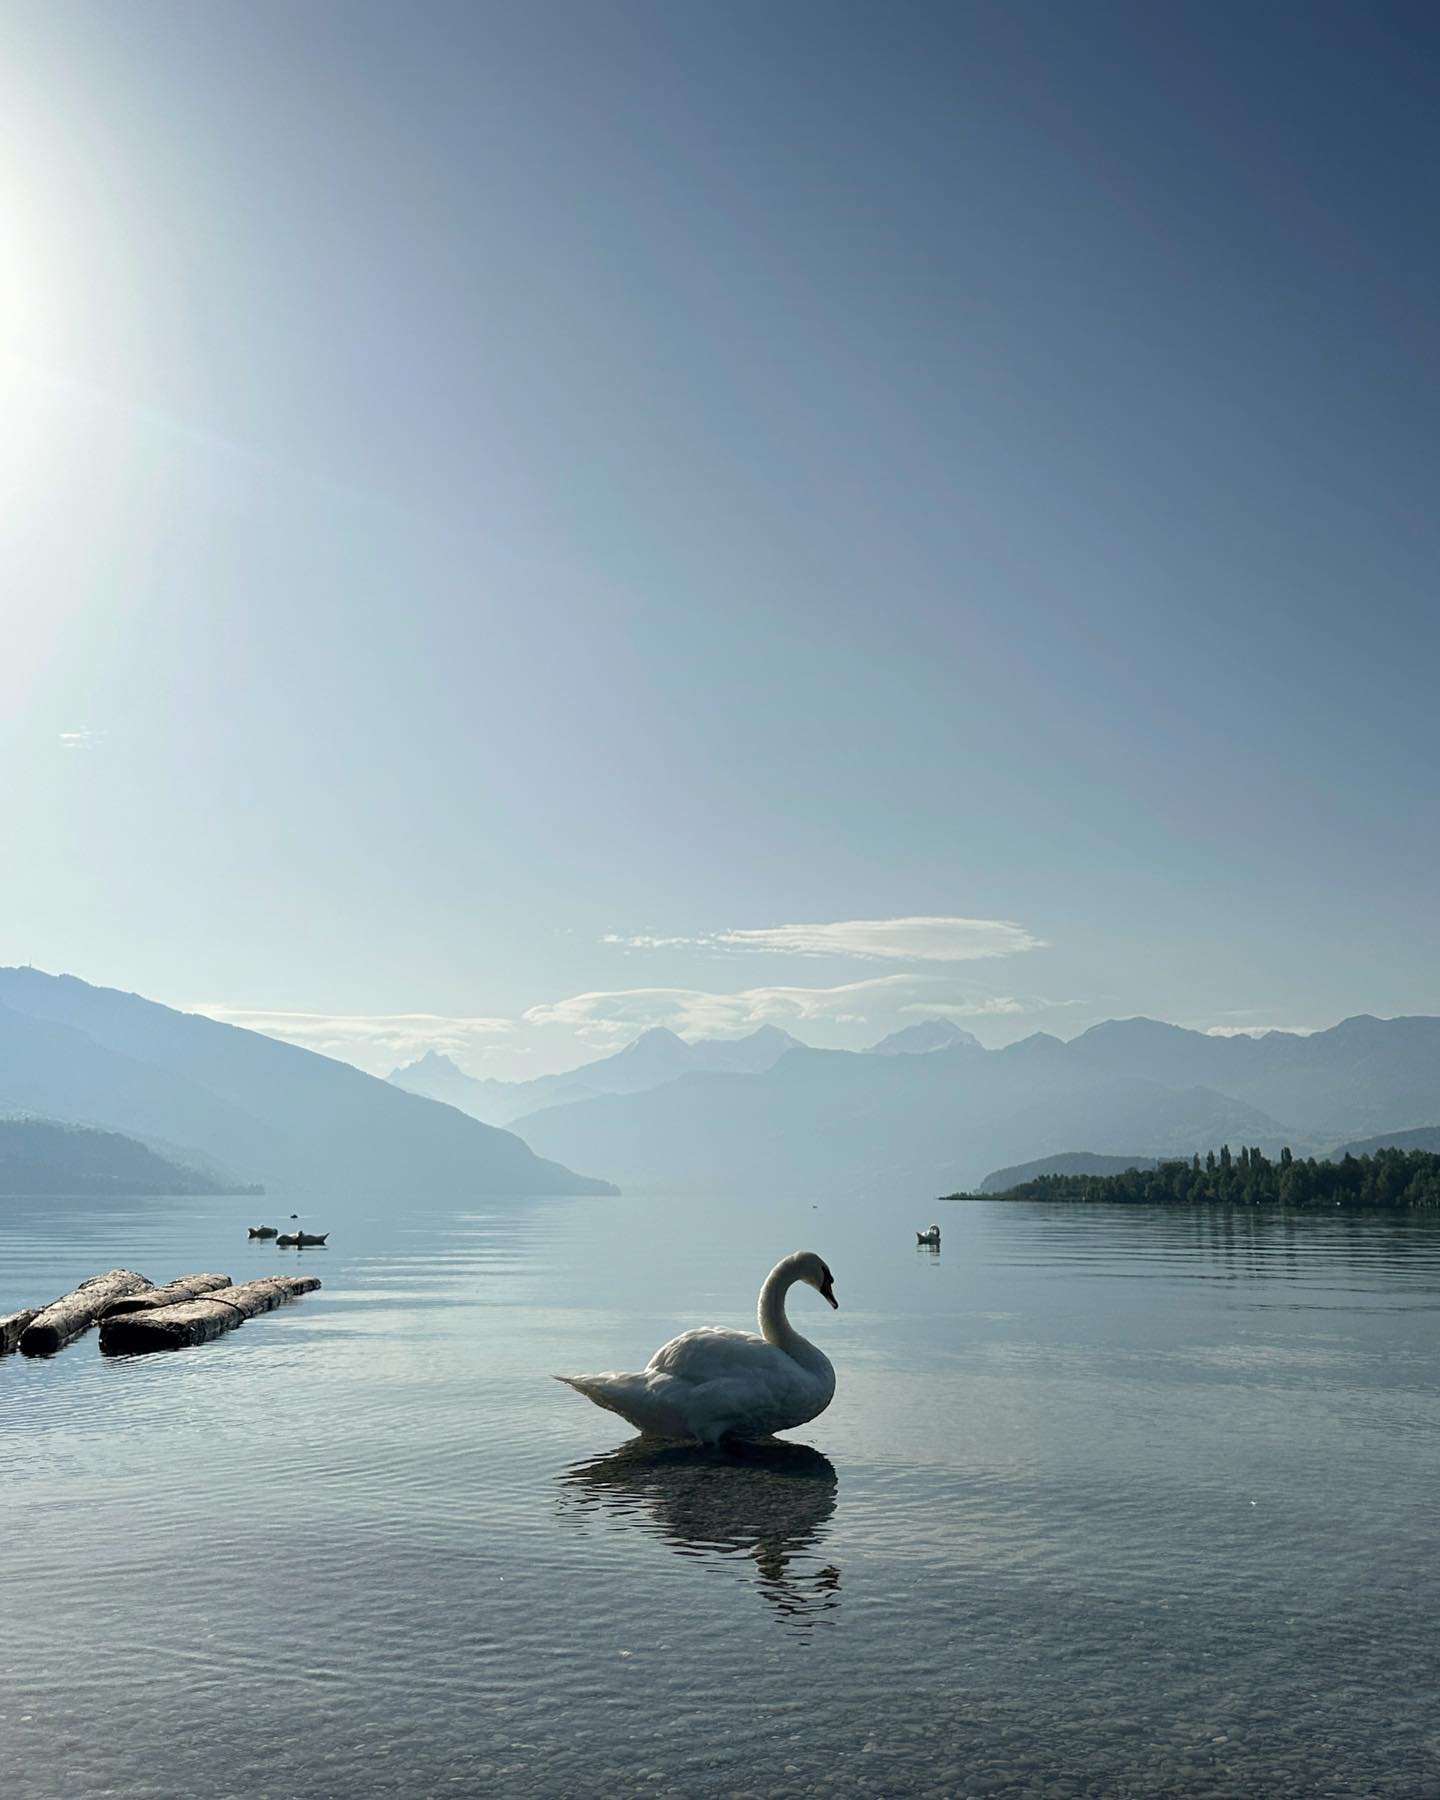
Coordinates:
[775,1328]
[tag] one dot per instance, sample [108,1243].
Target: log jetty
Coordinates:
[195,1321]
[54,1325]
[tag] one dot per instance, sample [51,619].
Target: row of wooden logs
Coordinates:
[133,1314]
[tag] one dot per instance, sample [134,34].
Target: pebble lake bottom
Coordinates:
[1108,1503]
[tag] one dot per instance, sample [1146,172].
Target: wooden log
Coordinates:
[253,1297]
[11,1327]
[171,1328]
[55,1325]
[266,1294]
[184,1287]
[196,1321]
[295,1285]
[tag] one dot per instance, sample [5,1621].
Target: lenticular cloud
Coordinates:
[901,940]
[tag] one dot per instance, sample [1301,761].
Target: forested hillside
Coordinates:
[1402,1179]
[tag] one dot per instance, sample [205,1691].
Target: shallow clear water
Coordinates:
[1109,1502]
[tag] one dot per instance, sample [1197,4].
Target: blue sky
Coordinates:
[502,501]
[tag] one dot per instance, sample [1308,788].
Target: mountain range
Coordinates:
[206,1093]
[927,1110]
[851,1122]
[655,1057]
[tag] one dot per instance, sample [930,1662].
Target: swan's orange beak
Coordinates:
[827,1292]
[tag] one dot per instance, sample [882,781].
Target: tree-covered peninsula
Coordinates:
[1386,1180]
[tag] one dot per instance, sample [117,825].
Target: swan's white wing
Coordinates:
[714,1354]
[734,1382]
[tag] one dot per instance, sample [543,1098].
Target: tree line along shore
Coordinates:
[1387,1180]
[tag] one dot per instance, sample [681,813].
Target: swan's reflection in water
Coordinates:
[769,1502]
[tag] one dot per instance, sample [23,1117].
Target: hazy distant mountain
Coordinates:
[750,1055]
[832,1121]
[268,1110]
[659,1055]
[836,1121]
[1426,1138]
[655,1057]
[438,1077]
[1363,1076]
[921,1039]
[1069,1162]
[39,1157]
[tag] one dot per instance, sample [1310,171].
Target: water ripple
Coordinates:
[1108,1503]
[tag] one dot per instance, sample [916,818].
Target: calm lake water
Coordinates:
[1108,1503]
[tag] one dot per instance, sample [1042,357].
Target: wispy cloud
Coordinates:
[645,941]
[938,939]
[375,1041]
[81,740]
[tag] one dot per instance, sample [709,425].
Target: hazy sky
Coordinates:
[589,510]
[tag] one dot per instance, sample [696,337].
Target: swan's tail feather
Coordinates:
[592,1388]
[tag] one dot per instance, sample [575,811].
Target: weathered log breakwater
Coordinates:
[195,1321]
[134,1314]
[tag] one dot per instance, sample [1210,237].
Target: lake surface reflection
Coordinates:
[1108,1502]
[768,1502]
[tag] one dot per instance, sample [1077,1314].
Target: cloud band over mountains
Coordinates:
[376,1041]
[605,1017]
[700,1012]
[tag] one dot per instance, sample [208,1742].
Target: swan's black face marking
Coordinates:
[827,1291]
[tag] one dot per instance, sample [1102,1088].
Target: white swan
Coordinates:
[932,1236]
[712,1383]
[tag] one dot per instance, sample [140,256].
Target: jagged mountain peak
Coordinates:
[431,1062]
[924,1038]
[1134,1028]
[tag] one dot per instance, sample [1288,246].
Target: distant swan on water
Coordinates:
[714,1383]
[932,1236]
